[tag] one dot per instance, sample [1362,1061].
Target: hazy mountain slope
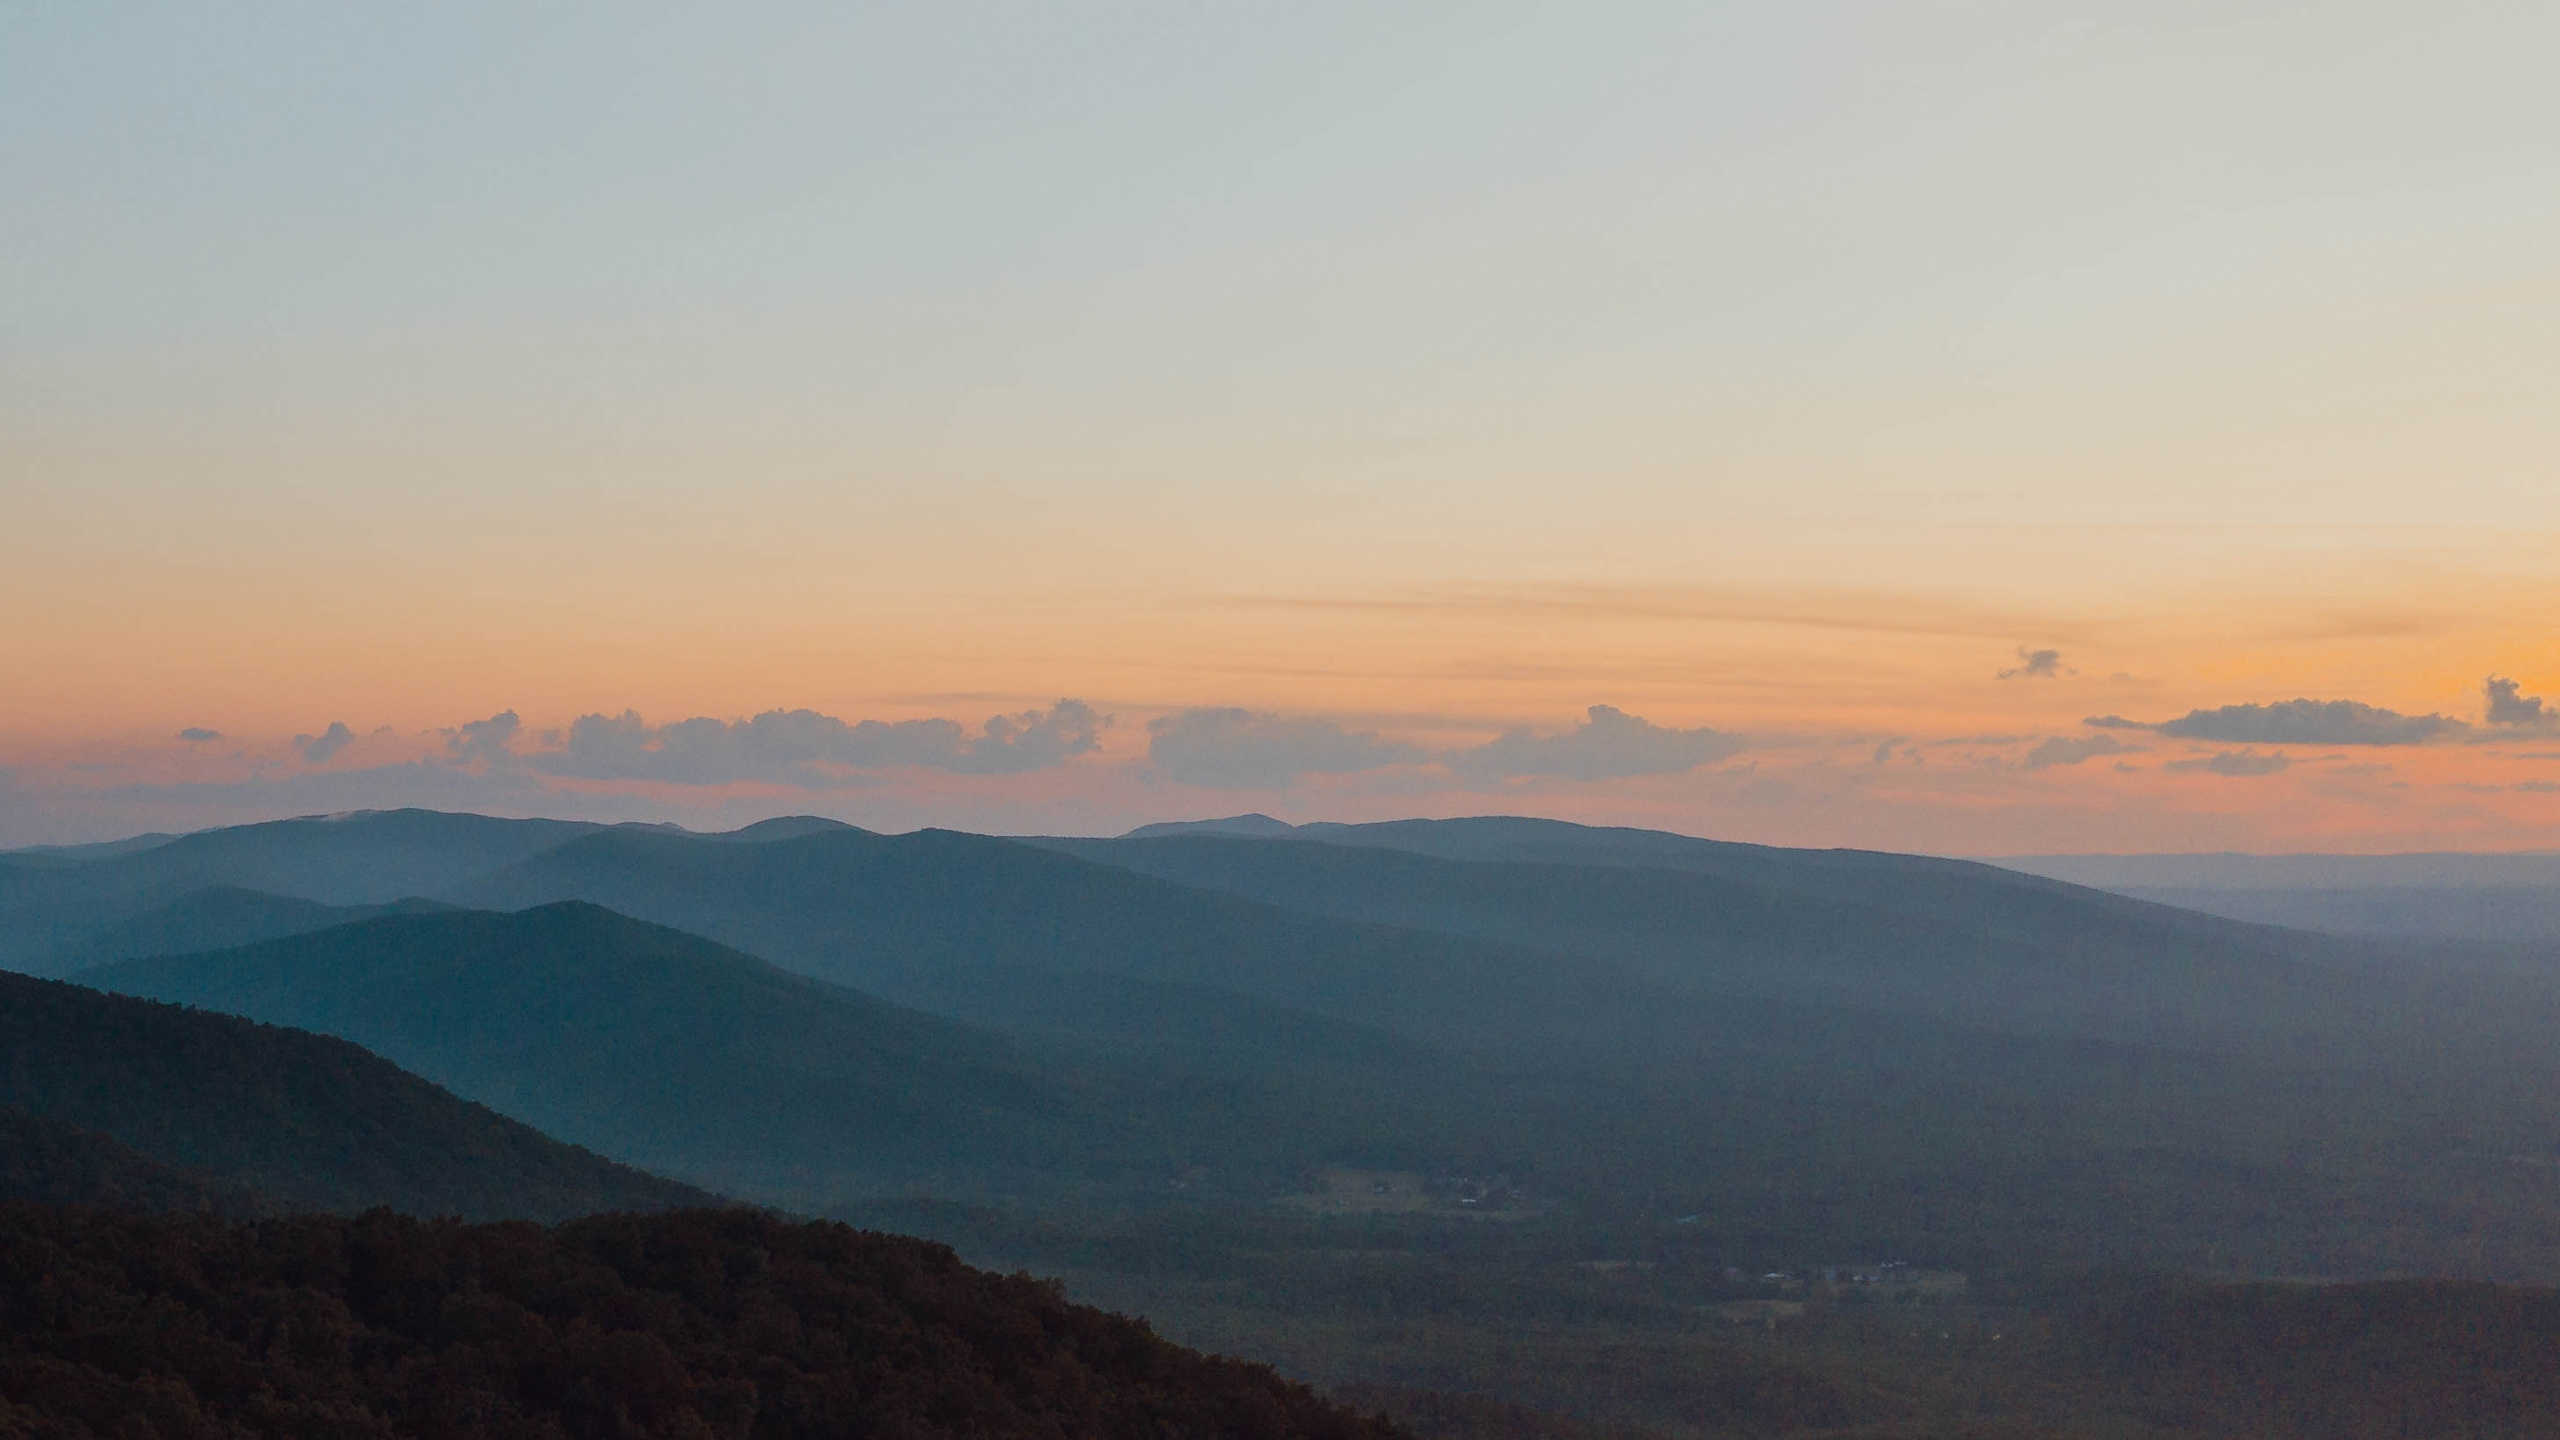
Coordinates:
[935,919]
[94,850]
[1968,892]
[1844,1119]
[670,1051]
[215,919]
[1370,1045]
[2040,960]
[49,1162]
[2227,870]
[307,1119]
[370,858]
[694,1324]
[780,827]
[2509,914]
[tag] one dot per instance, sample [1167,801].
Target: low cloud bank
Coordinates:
[1248,750]
[804,747]
[1243,749]
[2297,722]
[2071,750]
[1611,745]
[2234,762]
[489,742]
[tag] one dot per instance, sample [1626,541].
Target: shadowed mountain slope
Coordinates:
[310,1120]
[369,858]
[1983,951]
[62,911]
[1966,891]
[217,919]
[946,922]
[679,1054]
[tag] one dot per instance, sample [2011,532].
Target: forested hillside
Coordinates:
[49,1162]
[687,1324]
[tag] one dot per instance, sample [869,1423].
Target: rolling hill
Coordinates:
[55,905]
[678,1054]
[949,922]
[1984,950]
[216,918]
[308,1120]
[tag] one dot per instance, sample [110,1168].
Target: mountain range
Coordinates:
[1263,1081]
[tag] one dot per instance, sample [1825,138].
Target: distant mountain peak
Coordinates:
[1256,824]
[784,827]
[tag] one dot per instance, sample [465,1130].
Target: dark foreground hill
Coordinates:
[308,1120]
[48,1162]
[694,1323]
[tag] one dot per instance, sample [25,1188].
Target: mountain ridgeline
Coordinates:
[57,910]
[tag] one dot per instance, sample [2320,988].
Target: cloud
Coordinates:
[1245,749]
[1032,740]
[490,742]
[1610,745]
[2510,708]
[2297,722]
[197,734]
[2234,762]
[804,747]
[318,749]
[2035,665]
[2064,750]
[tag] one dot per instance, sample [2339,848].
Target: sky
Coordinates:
[1973,428]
